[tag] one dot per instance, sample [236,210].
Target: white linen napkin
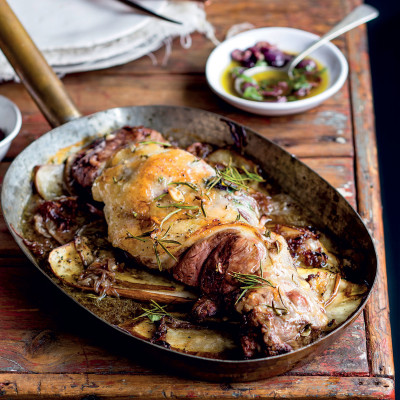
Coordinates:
[149,37]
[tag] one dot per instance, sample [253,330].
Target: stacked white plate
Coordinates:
[82,35]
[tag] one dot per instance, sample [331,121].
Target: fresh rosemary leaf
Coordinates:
[202,209]
[160,196]
[253,175]
[170,241]
[140,237]
[277,310]
[193,216]
[280,296]
[166,250]
[157,255]
[191,185]
[211,182]
[155,142]
[166,232]
[251,280]
[168,216]
[179,205]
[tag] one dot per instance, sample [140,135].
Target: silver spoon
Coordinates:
[358,16]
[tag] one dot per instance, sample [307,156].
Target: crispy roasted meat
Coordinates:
[84,167]
[275,312]
[171,211]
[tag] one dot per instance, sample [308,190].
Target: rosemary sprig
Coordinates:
[254,176]
[155,243]
[160,196]
[169,216]
[249,279]
[161,243]
[278,310]
[231,176]
[155,142]
[202,208]
[212,182]
[155,313]
[249,282]
[283,303]
[191,185]
[166,250]
[193,216]
[170,241]
[140,237]
[180,206]
[166,232]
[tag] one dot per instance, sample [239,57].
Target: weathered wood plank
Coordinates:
[380,350]
[27,386]
[323,131]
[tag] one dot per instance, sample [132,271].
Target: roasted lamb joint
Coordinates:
[172,211]
[255,276]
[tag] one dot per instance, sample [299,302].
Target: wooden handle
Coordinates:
[42,83]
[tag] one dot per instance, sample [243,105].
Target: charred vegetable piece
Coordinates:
[184,337]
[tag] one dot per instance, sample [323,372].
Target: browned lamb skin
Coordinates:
[84,167]
[209,264]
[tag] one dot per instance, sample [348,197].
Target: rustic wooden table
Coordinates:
[49,348]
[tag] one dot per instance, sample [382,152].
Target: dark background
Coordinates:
[384,46]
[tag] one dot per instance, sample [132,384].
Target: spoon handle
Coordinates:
[358,16]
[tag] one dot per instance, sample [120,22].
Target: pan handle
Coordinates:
[42,83]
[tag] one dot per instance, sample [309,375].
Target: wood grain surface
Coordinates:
[49,347]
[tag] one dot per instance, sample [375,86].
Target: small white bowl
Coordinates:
[10,123]
[286,39]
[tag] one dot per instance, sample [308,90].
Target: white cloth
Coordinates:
[145,40]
